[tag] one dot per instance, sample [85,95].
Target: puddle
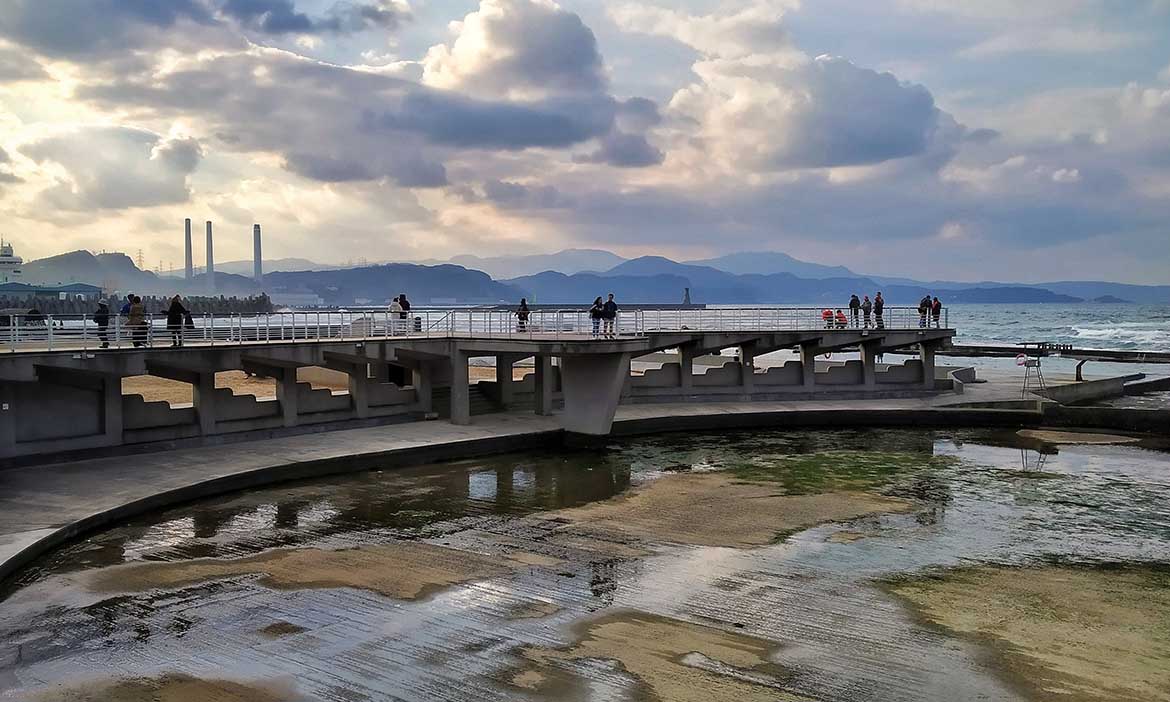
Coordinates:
[745,563]
[170,688]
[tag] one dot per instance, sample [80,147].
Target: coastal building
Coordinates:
[10,264]
[60,292]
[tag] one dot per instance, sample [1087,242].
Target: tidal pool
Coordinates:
[843,565]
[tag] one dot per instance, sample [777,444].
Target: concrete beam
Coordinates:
[808,365]
[108,385]
[686,366]
[285,374]
[422,377]
[747,366]
[460,389]
[869,353]
[592,387]
[504,364]
[928,352]
[7,419]
[204,394]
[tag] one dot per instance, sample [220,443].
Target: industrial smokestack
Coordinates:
[210,262]
[190,270]
[257,260]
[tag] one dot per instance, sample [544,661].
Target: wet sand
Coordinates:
[676,660]
[403,570]
[1070,634]
[1073,437]
[714,509]
[170,688]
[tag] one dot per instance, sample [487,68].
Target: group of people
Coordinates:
[400,314]
[137,324]
[866,313]
[603,314]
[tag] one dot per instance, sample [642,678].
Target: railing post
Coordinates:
[50,337]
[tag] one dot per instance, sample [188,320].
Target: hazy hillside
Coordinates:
[770,262]
[272,266]
[422,284]
[569,261]
[551,288]
[113,270]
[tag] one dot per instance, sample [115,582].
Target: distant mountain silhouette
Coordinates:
[272,266]
[569,261]
[113,270]
[552,288]
[770,262]
[422,284]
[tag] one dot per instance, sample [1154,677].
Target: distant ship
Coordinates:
[9,264]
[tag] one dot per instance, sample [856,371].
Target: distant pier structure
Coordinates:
[257,258]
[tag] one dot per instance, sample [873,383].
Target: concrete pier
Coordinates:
[64,401]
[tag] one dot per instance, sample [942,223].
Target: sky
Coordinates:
[934,139]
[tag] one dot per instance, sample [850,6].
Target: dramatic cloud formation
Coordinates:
[852,133]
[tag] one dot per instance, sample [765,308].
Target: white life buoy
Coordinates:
[1022,360]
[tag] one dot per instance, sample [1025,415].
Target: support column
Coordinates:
[203,390]
[7,419]
[421,378]
[112,409]
[287,395]
[927,365]
[808,366]
[460,389]
[747,366]
[544,385]
[593,387]
[504,382]
[686,367]
[869,354]
[359,390]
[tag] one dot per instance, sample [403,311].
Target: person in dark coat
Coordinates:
[522,314]
[101,317]
[867,311]
[923,310]
[176,318]
[936,311]
[596,312]
[609,316]
[855,311]
[879,309]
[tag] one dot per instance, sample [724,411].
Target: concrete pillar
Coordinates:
[189,260]
[504,363]
[808,366]
[593,387]
[927,365]
[460,389]
[747,366]
[210,262]
[869,354]
[112,409]
[7,419]
[257,258]
[286,395]
[422,379]
[204,392]
[686,367]
[544,386]
[359,390]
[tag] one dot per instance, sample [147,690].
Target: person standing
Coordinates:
[136,321]
[936,311]
[176,316]
[396,324]
[855,311]
[923,310]
[596,313]
[610,311]
[867,311]
[522,315]
[101,317]
[879,309]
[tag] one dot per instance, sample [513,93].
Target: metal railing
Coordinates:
[82,333]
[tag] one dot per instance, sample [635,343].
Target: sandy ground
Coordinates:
[716,510]
[404,570]
[1071,634]
[170,688]
[1072,437]
[676,660]
[154,389]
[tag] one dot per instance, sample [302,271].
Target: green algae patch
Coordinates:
[671,659]
[173,687]
[830,471]
[1074,634]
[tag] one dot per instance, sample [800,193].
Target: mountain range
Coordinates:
[576,276]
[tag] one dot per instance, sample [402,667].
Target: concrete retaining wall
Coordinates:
[1091,391]
[60,413]
[849,373]
[791,373]
[726,375]
[907,373]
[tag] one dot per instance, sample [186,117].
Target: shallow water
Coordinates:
[978,497]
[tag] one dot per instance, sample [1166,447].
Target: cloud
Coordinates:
[80,28]
[1055,40]
[517,196]
[755,28]
[624,151]
[16,65]
[116,168]
[823,113]
[522,49]
[281,16]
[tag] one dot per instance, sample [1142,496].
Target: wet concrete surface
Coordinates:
[578,610]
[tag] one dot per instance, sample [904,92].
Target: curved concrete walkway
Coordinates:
[43,506]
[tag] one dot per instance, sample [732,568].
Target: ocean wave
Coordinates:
[1126,335]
